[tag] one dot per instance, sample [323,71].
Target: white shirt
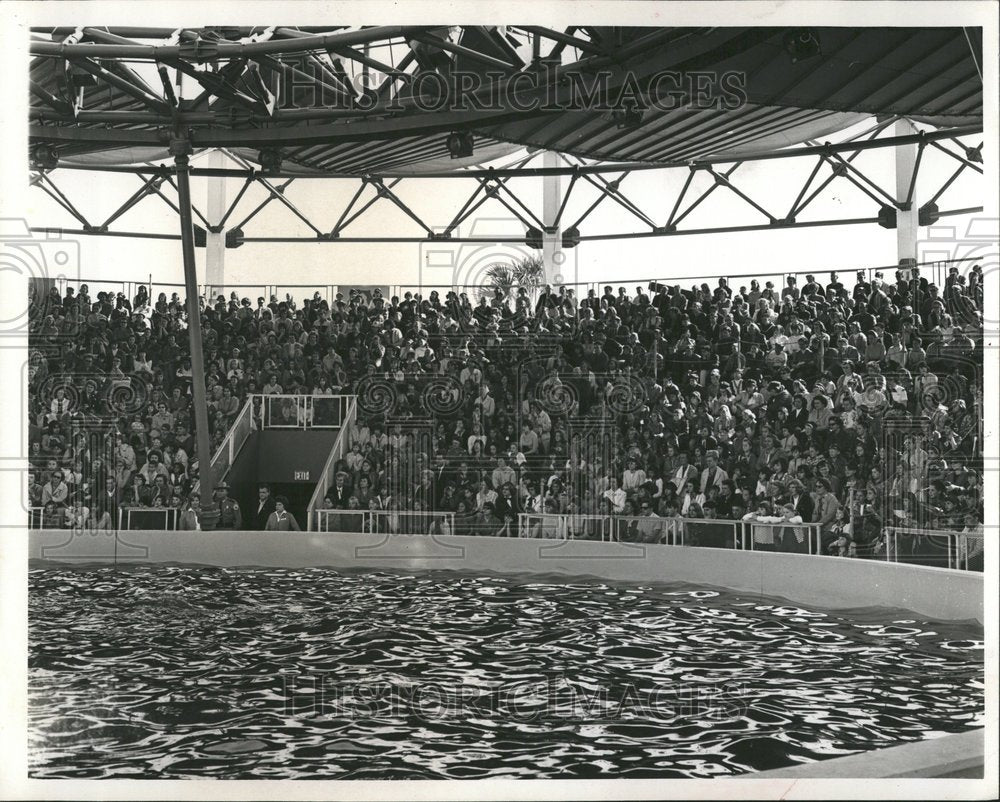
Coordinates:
[617,499]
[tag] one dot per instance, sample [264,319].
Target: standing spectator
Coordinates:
[281,520]
[503,474]
[712,475]
[262,513]
[826,506]
[230,516]
[802,502]
[190,512]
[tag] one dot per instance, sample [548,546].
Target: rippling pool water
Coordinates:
[178,672]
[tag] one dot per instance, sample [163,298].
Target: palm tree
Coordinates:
[527,272]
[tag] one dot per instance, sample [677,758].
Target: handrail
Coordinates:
[776,535]
[677,531]
[36,517]
[671,532]
[305,409]
[125,515]
[340,447]
[330,290]
[693,533]
[927,545]
[382,521]
[228,445]
[561,524]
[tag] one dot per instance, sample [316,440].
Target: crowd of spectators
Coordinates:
[853,406]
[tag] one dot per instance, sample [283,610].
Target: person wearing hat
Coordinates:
[230,516]
[153,468]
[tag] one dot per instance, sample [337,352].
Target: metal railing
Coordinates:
[935,547]
[935,271]
[230,446]
[160,518]
[712,533]
[391,522]
[340,448]
[782,536]
[287,411]
[647,529]
[36,520]
[565,526]
[36,517]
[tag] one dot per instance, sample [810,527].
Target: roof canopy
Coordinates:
[368,100]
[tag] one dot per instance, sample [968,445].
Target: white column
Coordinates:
[551,199]
[215,244]
[907,226]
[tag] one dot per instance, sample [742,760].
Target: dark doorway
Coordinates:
[298,495]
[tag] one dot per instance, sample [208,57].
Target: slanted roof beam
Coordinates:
[132,90]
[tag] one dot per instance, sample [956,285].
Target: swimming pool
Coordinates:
[180,672]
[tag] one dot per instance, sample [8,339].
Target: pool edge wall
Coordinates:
[829,582]
[959,756]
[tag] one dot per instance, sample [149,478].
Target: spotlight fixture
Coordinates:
[80,77]
[44,157]
[802,44]
[460,144]
[270,160]
[533,238]
[928,214]
[571,237]
[887,217]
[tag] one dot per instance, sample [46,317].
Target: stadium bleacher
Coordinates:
[850,409]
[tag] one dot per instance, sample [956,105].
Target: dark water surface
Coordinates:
[180,672]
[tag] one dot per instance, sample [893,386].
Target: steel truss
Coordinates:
[590,184]
[342,103]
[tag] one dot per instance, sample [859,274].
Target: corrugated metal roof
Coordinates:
[927,74]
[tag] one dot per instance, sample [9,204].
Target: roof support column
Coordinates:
[215,241]
[907,222]
[551,237]
[181,150]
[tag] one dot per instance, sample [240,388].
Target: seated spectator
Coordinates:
[76,514]
[52,516]
[788,398]
[55,491]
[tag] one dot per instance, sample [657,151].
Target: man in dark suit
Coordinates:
[340,493]
[110,499]
[263,510]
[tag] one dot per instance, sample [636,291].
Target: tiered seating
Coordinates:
[858,404]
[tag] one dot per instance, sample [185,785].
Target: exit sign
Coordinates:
[302,476]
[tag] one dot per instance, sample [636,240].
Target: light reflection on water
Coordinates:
[176,672]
